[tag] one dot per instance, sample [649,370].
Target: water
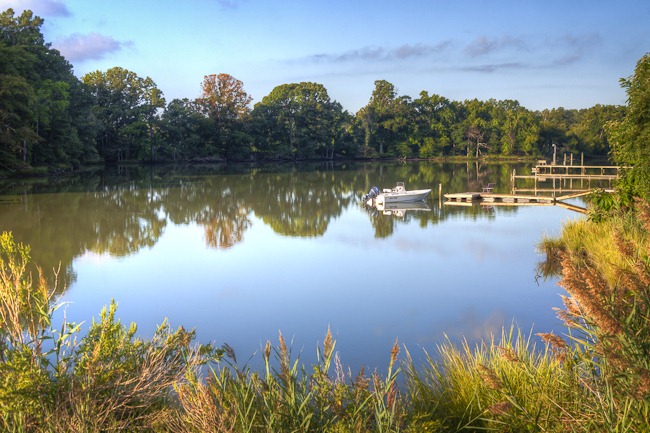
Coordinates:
[241,254]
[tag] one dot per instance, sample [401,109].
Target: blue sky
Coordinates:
[545,54]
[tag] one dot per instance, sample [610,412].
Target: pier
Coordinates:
[551,178]
[547,185]
[497,199]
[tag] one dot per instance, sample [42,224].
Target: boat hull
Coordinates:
[408,196]
[399,197]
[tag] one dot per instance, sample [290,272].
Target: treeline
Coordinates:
[50,118]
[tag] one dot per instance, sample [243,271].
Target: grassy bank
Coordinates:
[596,377]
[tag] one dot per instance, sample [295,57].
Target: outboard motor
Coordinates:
[374,192]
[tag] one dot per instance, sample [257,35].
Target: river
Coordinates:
[242,253]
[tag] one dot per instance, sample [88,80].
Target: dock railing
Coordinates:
[549,178]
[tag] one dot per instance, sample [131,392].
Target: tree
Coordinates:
[38,124]
[477,126]
[126,110]
[224,101]
[589,128]
[514,128]
[377,116]
[16,136]
[180,126]
[630,137]
[223,97]
[297,121]
[434,117]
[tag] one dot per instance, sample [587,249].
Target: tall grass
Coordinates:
[595,377]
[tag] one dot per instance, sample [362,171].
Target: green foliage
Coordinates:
[111,380]
[630,136]
[297,121]
[39,124]
[126,112]
[49,118]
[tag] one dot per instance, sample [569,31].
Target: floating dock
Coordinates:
[492,197]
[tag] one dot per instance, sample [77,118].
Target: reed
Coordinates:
[606,272]
[595,377]
[505,385]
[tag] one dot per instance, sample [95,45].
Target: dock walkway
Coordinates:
[496,197]
[483,198]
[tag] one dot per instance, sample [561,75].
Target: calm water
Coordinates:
[243,253]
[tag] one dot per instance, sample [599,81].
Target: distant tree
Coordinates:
[477,125]
[378,116]
[514,128]
[127,112]
[180,126]
[223,97]
[224,101]
[16,134]
[589,128]
[297,121]
[433,117]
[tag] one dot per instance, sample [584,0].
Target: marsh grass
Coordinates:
[593,378]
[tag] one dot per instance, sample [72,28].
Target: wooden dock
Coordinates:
[496,199]
[550,178]
[552,185]
[491,197]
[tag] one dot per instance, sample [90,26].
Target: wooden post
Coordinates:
[440,196]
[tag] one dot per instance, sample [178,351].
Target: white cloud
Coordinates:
[92,46]
[44,8]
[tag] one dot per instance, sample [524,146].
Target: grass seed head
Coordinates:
[509,354]
[489,377]
[501,408]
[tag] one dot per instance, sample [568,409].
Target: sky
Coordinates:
[542,53]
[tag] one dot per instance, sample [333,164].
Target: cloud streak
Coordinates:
[381,54]
[92,46]
[483,46]
[489,68]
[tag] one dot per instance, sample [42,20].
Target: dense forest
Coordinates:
[50,118]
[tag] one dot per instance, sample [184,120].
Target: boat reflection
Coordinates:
[398,209]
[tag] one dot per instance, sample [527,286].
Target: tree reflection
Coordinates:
[223,232]
[300,203]
[121,210]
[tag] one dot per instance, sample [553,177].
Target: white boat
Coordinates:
[394,195]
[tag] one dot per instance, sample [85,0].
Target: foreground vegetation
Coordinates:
[594,378]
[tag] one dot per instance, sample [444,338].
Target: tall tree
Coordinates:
[127,108]
[297,121]
[378,117]
[434,117]
[38,124]
[224,101]
[630,137]
[477,126]
[223,97]
[181,125]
